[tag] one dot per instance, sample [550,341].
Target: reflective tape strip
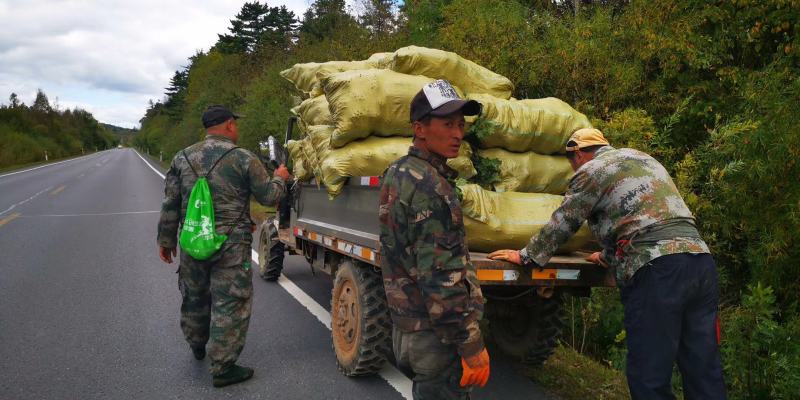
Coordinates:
[498,275]
[490,274]
[548,273]
[571,274]
[343,246]
[370,181]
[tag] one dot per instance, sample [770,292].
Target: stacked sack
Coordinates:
[355,123]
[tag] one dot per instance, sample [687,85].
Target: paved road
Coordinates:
[88,311]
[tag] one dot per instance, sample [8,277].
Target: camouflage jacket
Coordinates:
[429,280]
[624,195]
[238,175]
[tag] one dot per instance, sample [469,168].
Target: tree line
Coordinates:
[709,88]
[32,133]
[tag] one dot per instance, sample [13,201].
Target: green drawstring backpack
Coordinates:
[198,236]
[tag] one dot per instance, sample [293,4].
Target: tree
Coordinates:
[379,16]
[41,103]
[258,25]
[13,101]
[323,18]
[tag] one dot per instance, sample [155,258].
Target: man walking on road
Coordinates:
[431,286]
[667,278]
[217,291]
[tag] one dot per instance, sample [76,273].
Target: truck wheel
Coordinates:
[526,329]
[360,321]
[270,252]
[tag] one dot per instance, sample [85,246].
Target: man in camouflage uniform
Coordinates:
[431,286]
[667,277]
[217,292]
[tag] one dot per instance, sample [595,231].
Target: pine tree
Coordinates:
[41,103]
[258,25]
[379,16]
[324,17]
[13,101]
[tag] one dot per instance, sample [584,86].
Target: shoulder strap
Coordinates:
[212,167]
[190,163]
[220,159]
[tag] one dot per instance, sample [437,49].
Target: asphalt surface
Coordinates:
[88,311]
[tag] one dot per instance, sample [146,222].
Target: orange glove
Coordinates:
[282,172]
[511,256]
[595,258]
[476,369]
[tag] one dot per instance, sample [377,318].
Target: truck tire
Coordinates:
[528,328]
[270,252]
[360,321]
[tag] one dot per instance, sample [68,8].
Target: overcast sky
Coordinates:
[108,57]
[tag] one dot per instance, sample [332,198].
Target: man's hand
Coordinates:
[166,254]
[476,369]
[282,172]
[511,256]
[595,258]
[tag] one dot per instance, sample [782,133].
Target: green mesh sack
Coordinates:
[439,64]
[371,156]
[530,172]
[373,102]
[540,125]
[495,221]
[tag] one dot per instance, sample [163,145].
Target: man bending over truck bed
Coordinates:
[667,277]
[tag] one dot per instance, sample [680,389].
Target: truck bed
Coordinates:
[348,224]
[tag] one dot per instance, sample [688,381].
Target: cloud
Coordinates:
[108,57]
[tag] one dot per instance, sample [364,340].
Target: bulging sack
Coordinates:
[540,125]
[299,169]
[496,221]
[371,157]
[370,102]
[304,76]
[313,111]
[440,64]
[530,172]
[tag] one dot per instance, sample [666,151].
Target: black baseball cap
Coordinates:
[217,114]
[440,99]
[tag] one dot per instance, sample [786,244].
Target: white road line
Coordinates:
[25,201]
[46,165]
[92,214]
[390,374]
[148,164]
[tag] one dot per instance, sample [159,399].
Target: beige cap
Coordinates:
[586,137]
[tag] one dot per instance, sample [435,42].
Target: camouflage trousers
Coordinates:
[217,301]
[435,367]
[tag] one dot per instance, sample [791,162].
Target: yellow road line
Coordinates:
[57,191]
[9,218]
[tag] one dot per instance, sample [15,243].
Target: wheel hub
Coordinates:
[346,319]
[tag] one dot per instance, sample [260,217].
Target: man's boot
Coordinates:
[234,374]
[199,352]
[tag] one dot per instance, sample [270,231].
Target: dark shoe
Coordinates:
[270,278]
[234,374]
[199,352]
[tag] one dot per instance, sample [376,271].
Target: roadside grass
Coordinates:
[573,376]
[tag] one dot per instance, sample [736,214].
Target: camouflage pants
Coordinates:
[217,301]
[434,366]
